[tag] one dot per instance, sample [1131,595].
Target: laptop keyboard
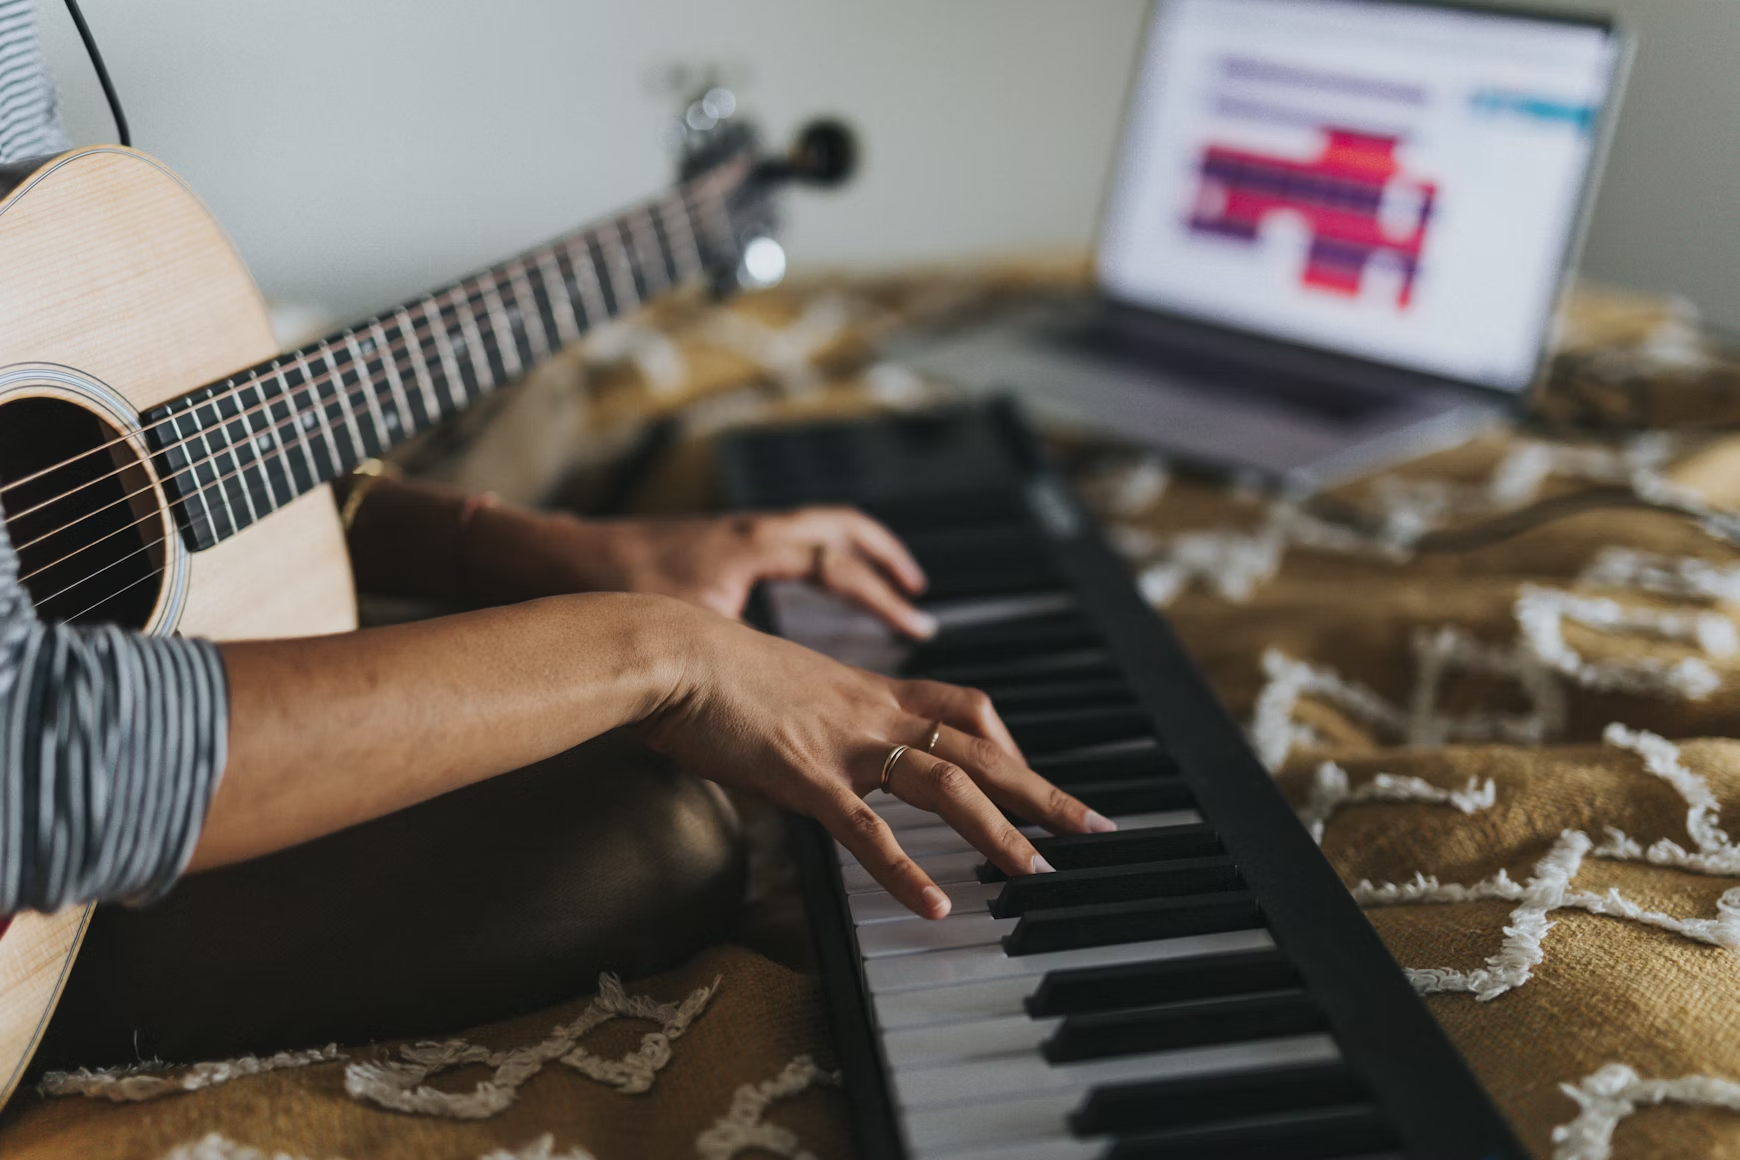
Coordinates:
[1108,338]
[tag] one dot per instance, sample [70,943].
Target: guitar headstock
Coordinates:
[714,141]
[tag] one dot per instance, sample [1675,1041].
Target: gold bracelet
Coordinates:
[372,472]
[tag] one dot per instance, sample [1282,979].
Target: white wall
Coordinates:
[360,150]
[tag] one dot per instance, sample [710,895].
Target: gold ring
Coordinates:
[888,765]
[935,736]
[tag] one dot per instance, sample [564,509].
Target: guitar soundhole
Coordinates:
[81,513]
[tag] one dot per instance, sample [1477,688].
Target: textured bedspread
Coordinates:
[1507,724]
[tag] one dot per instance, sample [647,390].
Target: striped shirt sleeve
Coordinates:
[111,746]
[29,113]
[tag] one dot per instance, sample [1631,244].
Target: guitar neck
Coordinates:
[234,451]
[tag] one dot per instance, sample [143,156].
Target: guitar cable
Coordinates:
[72,6]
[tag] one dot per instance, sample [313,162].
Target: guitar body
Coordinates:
[120,293]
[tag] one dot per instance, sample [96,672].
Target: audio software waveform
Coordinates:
[1358,205]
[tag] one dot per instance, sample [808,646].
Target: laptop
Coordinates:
[1335,236]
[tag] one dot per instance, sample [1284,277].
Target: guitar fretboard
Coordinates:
[234,451]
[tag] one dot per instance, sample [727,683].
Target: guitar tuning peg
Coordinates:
[762,264]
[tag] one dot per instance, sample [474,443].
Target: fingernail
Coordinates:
[923,624]
[1098,823]
[1041,866]
[936,902]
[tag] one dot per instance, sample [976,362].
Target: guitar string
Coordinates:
[707,187]
[292,420]
[438,300]
[420,335]
[282,452]
[347,395]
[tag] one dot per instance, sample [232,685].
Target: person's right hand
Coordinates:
[763,714]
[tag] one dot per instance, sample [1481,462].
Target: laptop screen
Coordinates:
[1394,181]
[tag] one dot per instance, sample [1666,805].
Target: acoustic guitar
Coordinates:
[164,467]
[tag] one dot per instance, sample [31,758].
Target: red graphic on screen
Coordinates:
[1360,207]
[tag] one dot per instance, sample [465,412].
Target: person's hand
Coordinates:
[715,562]
[763,714]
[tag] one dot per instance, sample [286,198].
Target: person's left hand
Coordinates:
[714,562]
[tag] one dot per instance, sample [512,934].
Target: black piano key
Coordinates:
[1132,796]
[1085,989]
[1004,640]
[1110,923]
[1115,884]
[1308,1134]
[1120,848]
[1094,692]
[1117,765]
[1020,672]
[914,516]
[970,576]
[1061,730]
[1151,1105]
[1188,1023]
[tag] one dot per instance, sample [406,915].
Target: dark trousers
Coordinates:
[490,901]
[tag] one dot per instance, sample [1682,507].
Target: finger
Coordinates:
[875,541]
[853,530]
[968,710]
[1013,786]
[851,577]
[945,789]
[861,830]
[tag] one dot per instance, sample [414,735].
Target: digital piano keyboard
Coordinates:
[1196,984]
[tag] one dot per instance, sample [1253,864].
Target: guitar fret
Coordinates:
[299,422]
[351,429]
[649,251]
[371,399]
[619,270]
[550,273]
[419,365]
[501,325]
[684,234]
[526,299]
[183,443]
[224,409]
[471,344]
[453,377]
[590,286]
[317,408]
[208,461]
[401,419]
[262,439]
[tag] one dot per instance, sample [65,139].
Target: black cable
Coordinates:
[72,6]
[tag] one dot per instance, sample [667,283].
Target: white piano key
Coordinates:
[969,613]
[899,814]
[943,869]
[882,939]
[943,1084]
[940,838]
[881,906]
[975,964]
[940,1131]
[960,1042]
[1047,1148]
[961,1003]
[847,632]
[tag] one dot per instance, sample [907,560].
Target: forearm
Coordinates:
[417,539]
[331,731]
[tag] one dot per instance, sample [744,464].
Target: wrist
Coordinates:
[675,645]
